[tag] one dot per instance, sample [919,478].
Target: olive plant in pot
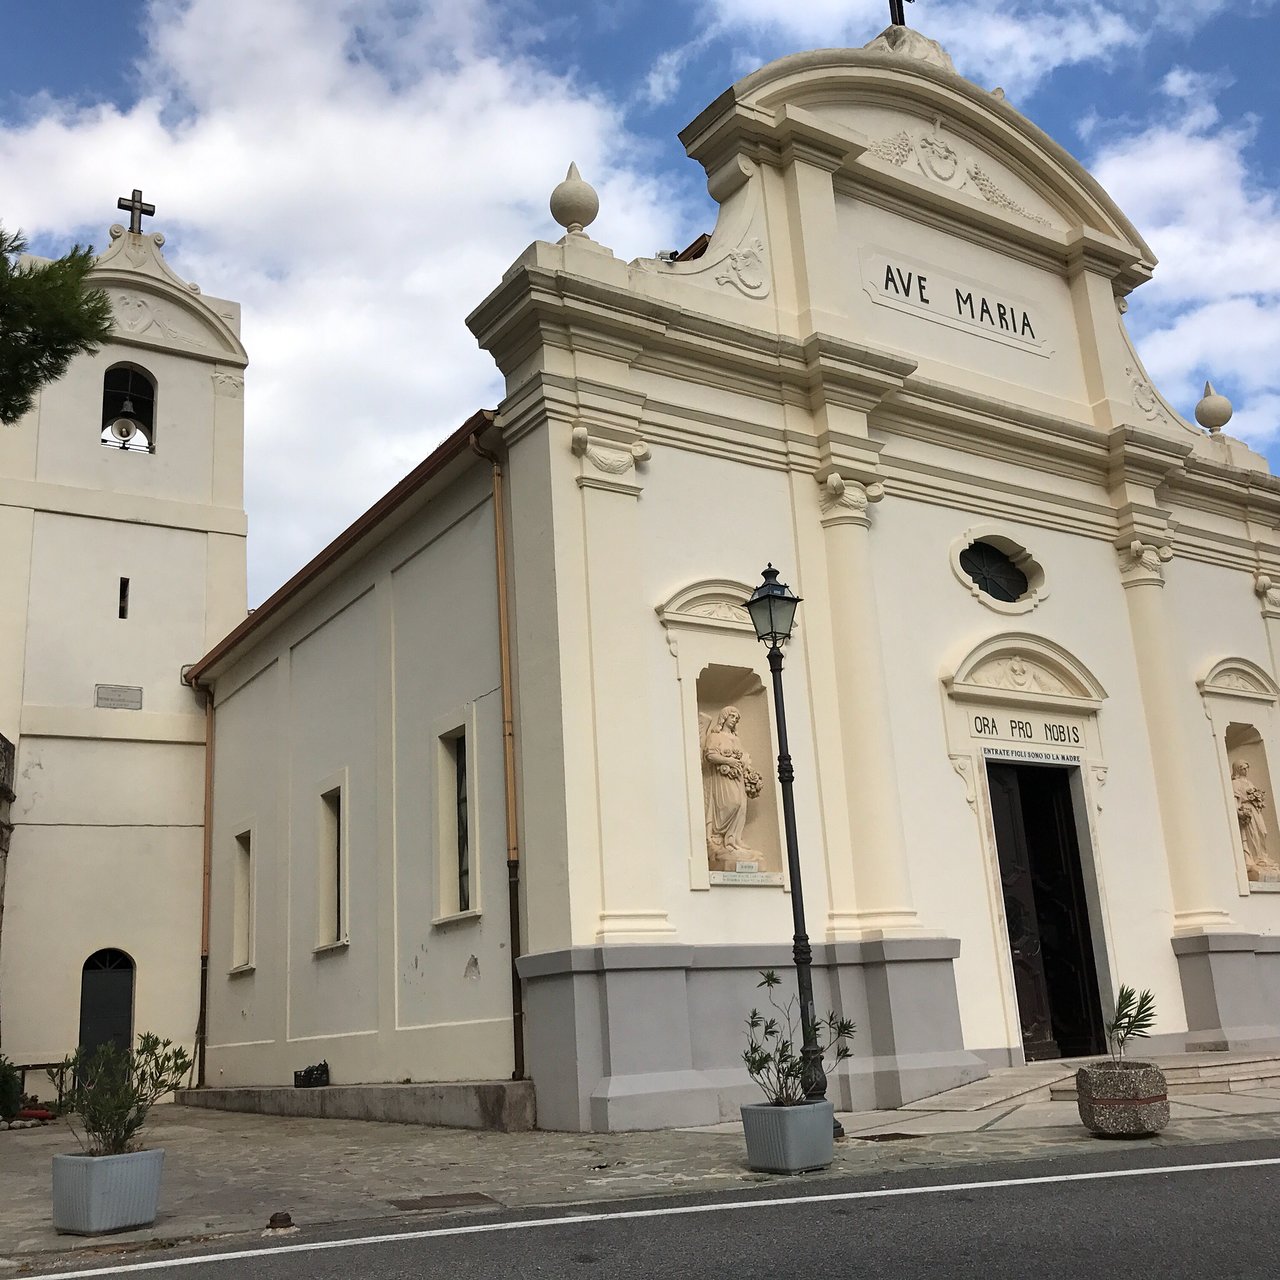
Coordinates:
[788,1133]
[113,1185]
[1120,1098]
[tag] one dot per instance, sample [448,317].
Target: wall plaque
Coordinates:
[1032,728]
[745,877]
[906,283]
[121,697]
[1014,755]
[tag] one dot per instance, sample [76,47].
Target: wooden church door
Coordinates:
[1046,911]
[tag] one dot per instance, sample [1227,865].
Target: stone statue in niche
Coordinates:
[730,783]
[1250,800]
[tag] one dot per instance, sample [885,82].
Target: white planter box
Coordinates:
[788,1139]
[96,1194]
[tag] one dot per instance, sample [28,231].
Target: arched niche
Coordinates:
[1240,701]
[718,660]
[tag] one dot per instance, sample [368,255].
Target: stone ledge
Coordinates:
[507,1106]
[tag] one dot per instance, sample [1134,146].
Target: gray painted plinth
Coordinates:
[788,1139]
[504,1105]
[651,1037]
[1128,1101]
[94,1195]
[1231,990]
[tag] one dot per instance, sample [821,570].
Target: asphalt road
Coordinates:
[1204,1211]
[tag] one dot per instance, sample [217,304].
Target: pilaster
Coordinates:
[877,843]
[1141,461]
[610,480]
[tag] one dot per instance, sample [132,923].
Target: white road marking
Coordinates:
[529,1224]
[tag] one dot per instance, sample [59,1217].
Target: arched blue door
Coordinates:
[106,1000]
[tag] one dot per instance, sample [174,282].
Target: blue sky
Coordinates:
[358,173]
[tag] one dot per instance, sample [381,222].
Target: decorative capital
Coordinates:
[1267,589]
[227,384]
[611,459]
[1142,563]
[846,501]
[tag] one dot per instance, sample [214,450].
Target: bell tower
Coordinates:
[122,558]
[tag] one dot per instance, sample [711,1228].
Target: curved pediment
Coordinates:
[909,123]
[1027,669]
[1239,678]
[713,602]
[155,307]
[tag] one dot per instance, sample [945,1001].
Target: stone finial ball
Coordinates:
[1214,411]
[574,203]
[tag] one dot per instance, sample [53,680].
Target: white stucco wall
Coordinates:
[355,689]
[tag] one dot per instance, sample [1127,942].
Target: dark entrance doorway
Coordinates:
[106,1000]
[1046,911]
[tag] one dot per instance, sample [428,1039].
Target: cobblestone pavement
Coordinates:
[226,1173]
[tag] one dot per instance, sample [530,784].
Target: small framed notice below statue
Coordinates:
[739,798]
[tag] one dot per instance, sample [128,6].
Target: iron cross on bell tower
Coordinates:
[896,16]
[135,208]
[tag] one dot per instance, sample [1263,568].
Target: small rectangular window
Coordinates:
[124,597]
[331,882]
[457,889]
[242,927]
[462,849]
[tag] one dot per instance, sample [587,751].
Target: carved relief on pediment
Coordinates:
[1016,672]
[147,316]
[929,153]
[1018,667]
[714,602]
[1238,677]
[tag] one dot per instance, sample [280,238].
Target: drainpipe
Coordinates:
[508,756]
[203,1020]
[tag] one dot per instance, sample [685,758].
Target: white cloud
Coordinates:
[358,175]
[1213,309]
[1013,43]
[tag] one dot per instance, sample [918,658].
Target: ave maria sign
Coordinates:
[934,293]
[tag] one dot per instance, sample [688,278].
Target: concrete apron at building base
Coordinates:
[1231,989]
[504,1105]
[631,1036]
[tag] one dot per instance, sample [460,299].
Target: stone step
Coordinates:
[1240,1082]
[504,1105]
[1252,1070]
[1017,1085]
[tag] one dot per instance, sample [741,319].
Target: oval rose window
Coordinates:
[994,572]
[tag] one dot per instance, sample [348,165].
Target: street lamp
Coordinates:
[772,607]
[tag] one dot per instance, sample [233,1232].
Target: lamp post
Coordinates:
[772,607]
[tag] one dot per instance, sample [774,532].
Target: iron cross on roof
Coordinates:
[135,209]
[896,16]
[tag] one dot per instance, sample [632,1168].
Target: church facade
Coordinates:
[493,782]
[122,531]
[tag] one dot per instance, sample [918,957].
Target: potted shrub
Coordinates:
[113,1185]
[1118,1098]
[787,1133]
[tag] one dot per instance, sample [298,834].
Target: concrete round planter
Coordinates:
[788,1139]
[1126,1101]
[93,1195]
